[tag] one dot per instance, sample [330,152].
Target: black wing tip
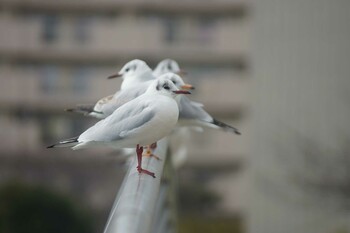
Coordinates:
[84,109]
[226,127]
[237,132]
[52,146]
[67,141]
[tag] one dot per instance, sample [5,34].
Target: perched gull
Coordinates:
[191,113]
[181,135]
[106,106]
[134,71]
[133,74]
[166,66]
[140,122]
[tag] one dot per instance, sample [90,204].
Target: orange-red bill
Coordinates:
[187,87]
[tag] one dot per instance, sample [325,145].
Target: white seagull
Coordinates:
[166,66]
[191,113]
[140,122]
[133,74]
[134,71]
[107,107]
[135,86]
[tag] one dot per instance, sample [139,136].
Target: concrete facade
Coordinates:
[55,54]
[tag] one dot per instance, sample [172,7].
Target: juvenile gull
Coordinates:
[134,73]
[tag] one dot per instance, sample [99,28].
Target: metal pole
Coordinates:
[134,207]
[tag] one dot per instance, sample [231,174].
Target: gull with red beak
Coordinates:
[106,106]
[140,122]
[191,113]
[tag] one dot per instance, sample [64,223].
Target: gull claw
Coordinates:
[141,170]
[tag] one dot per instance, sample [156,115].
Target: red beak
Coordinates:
[182,92]
[187,87]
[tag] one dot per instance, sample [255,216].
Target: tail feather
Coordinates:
[225,126]
[83,109]
[65,143]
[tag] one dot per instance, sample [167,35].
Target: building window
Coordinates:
[190,31]
[49,78]
[171,29]
[50,28]
[82,27]
[81,79]
[206,30]
[51,127]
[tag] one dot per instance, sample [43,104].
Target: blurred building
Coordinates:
[300,144]
[55,54]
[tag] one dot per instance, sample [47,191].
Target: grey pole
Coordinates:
[134,207]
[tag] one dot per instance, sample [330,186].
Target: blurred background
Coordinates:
[276,69]
[56,54]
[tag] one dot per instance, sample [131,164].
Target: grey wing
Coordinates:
[121,124]
[197,104]
[101,107]
[113,102]
[190,110]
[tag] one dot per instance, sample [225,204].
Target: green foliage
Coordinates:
[190,224]
[26,209]
[197,199]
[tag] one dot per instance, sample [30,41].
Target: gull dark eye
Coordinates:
[166,87]
[169,67]
[174,82]
[127,69]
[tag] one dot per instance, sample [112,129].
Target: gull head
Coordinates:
[177,80]
[168,65]
[163,86]
[133,68]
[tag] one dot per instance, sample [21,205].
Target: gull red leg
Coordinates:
[139,150]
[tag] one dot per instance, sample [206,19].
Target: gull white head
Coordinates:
[165,87]
[177,80]
[168,65]
[134,72]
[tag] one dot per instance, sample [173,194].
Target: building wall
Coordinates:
[300,159]
[54,55]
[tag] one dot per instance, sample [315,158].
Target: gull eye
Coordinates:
[166,87]
[127,70]
[169,67]
[174,82]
